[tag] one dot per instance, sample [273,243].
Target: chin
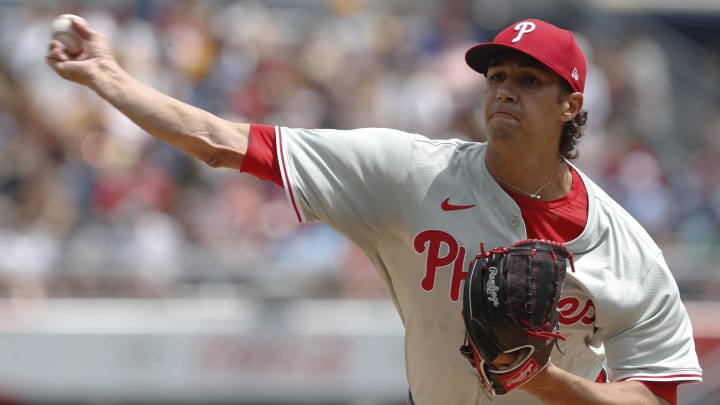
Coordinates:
[500,133]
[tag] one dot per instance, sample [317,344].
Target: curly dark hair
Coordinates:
[573,129]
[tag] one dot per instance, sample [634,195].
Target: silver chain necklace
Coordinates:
[535,195]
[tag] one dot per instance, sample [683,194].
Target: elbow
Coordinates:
[222,152]
[212,160]
[223,158]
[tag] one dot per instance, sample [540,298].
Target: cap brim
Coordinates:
[479,56]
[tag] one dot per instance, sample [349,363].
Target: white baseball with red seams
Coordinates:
[388,191]
[62,30]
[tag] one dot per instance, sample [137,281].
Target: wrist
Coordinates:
[105,76]
[541,381]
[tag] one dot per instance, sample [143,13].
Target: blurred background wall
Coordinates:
[130,273]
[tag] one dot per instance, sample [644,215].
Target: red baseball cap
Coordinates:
[552,46]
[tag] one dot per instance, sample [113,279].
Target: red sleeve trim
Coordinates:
[261,157]
[666,390]
[680,378]
[665,386]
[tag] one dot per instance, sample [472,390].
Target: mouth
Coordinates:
[502,113]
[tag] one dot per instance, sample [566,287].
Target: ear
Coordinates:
[571,106]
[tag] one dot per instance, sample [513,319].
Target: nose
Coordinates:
[506,92]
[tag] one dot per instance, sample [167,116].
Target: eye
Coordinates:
[530,80]
[496,76]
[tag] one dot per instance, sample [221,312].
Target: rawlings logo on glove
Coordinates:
[510,307]
[491,289]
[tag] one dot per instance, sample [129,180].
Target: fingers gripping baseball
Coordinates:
[75,50]
[510,311]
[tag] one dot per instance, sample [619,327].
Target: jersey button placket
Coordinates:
[515,221]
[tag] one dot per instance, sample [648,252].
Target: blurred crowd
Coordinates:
[90,205]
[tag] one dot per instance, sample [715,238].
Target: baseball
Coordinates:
[62,30]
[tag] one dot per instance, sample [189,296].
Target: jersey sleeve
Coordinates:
[352,180]
[659,345]
[666,390]
[261,159]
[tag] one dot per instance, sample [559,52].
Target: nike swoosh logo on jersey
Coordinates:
[447,206]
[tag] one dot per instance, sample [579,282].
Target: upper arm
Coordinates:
[653,339]
[352,180]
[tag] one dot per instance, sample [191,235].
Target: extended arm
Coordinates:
[217,142]
[555,386]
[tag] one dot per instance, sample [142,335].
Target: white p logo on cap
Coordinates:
[523,28]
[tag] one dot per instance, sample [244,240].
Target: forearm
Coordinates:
[555,386]
[216,141]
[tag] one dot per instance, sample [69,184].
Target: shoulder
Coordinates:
[456,144]
[456,152]
[376,144]
[386,134]
[605,215]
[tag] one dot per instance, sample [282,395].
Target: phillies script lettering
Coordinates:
[433,243]
[442,250]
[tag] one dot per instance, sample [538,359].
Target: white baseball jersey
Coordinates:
[419,209]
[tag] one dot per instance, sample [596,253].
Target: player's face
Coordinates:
[522,101]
